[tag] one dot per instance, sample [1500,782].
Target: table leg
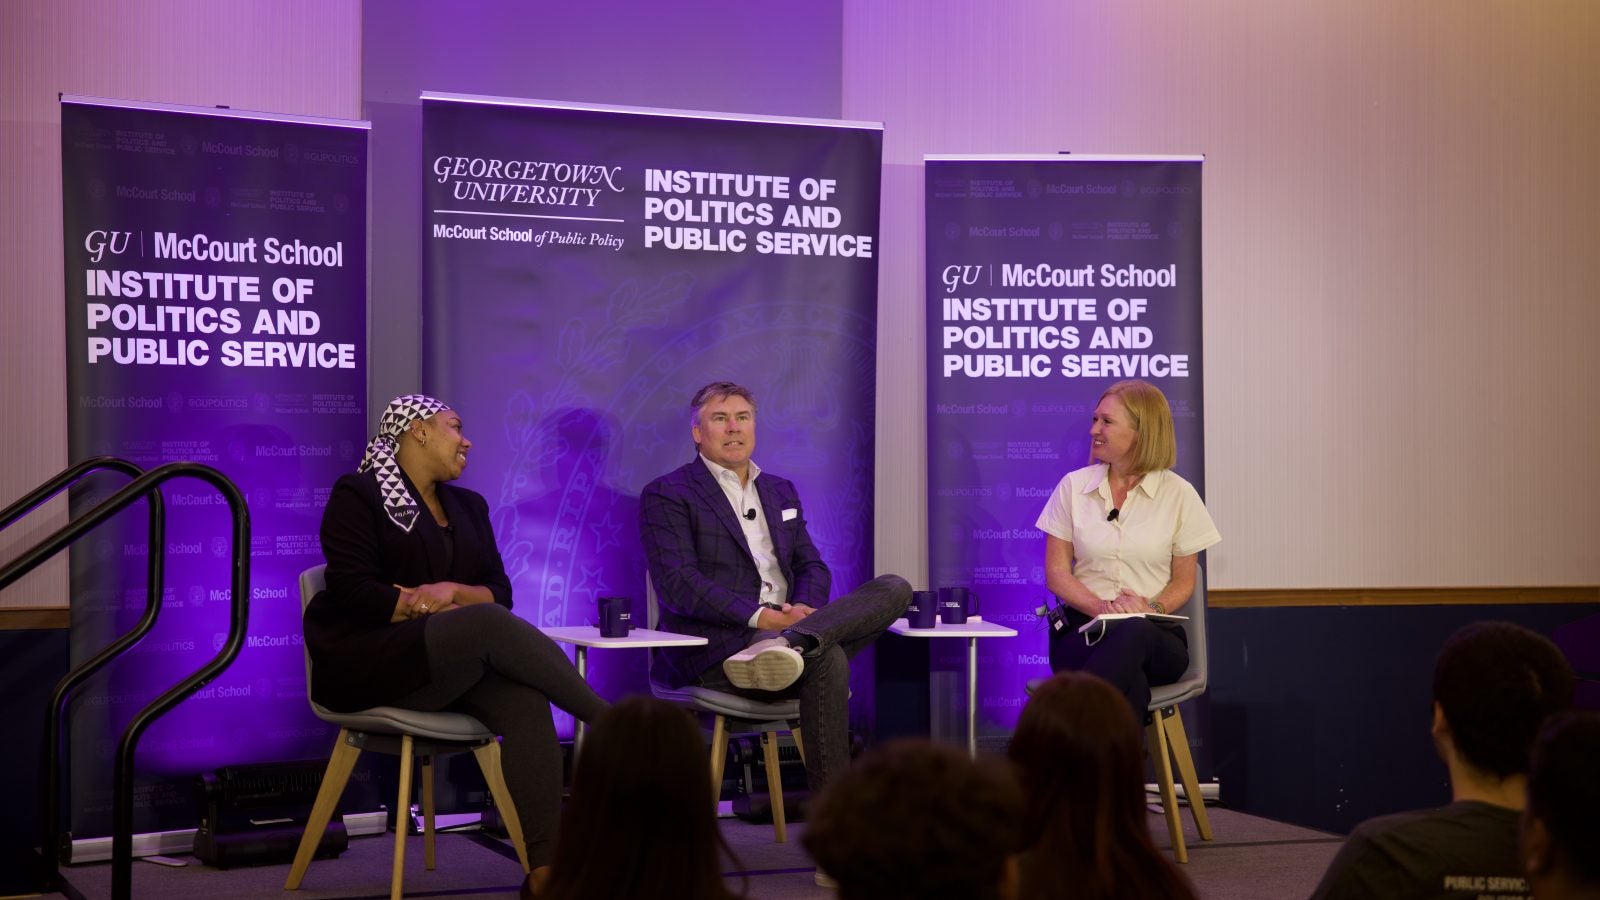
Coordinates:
[972,697]
[582,662]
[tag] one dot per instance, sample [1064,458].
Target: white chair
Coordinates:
[411,735]
[734,714]
[1164,736]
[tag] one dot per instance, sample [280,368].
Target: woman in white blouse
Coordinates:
[1122,536]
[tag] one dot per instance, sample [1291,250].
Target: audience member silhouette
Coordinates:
[1494,684]
[1080,758]
[919,821]
[640,824]
[1561,824]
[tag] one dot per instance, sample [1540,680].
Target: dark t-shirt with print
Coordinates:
[1465,851]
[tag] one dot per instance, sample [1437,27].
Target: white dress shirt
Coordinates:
[744,498]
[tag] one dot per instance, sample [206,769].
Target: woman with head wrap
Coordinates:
[417,611]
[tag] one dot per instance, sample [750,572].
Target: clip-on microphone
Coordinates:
[1055,617]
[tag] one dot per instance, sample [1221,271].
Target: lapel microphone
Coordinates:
[750,514]
[1112,517]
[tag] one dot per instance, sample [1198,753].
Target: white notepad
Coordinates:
[1109,619]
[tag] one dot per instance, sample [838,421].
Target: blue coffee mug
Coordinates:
[956,604]
[616,616]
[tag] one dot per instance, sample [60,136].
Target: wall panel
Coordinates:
[1400,303]
[287,56]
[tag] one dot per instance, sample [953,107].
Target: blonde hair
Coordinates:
[1151,417]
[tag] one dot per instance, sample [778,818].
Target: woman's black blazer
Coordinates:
[359,658]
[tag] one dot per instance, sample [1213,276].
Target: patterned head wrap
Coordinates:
[380,456]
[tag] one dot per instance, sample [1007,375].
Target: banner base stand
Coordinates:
[1210,791]
[181,842]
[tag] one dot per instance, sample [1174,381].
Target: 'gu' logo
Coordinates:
[956,276]
[97,242]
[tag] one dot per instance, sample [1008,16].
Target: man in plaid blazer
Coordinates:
[732,562]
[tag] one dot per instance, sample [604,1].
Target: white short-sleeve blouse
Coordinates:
[1161,517]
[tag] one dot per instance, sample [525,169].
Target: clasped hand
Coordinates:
[426,599]
[1127,601]
[778,620]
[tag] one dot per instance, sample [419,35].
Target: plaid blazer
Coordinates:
[704,574]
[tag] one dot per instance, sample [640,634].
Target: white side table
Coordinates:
[585,636]
[971,630]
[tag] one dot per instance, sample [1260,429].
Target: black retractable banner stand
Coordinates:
[587,268]
[216,274]
[1049,278]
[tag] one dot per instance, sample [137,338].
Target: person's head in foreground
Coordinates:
[1561,823]
[915,820]
[1494,684]
[640,822]
[1080,757]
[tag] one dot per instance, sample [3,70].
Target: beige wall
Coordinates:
[287,56]
[1402,386]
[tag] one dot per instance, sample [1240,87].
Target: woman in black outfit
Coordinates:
[417,612]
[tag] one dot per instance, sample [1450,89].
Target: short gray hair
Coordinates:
[717,390]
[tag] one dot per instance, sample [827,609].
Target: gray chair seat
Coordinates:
[1162,695]
[733,706]
[1179,691]
[439,726]
[411,735]
[738,714]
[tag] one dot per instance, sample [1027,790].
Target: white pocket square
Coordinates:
[790,513]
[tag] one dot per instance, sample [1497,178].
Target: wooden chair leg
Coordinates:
[799,743]
[334,778]
[769,752]
[719,754]
[1191,782]
[428,857]
[488,757]
[402,812]
[1156,740]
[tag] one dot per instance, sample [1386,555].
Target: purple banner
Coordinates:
[1048,278]
[216,313]
[588,268]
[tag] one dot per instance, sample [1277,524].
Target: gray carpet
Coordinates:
[1250,858]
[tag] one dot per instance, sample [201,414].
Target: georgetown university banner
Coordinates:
[588,268]
[1048,279]
[216,313]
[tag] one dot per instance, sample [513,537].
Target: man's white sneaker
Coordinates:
[769,665]
[823,881]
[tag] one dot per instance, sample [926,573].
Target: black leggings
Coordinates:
[492,665]
[1133,655]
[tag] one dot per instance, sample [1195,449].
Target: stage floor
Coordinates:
[1250,858]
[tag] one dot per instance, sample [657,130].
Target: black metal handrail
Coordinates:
[55,750]
[145,485]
